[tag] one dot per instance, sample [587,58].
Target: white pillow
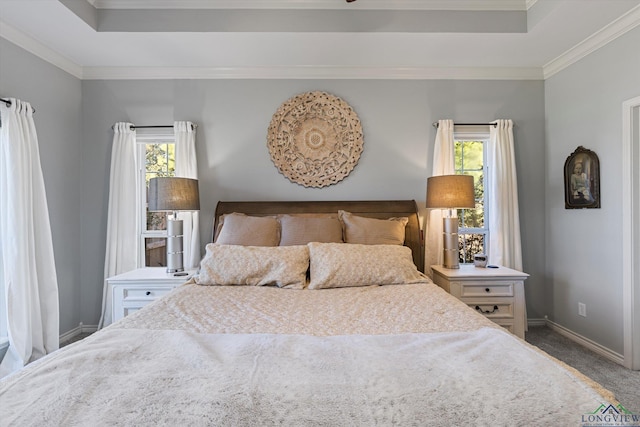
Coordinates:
[337,265]
[284,266]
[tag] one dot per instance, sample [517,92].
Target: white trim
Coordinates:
[629,216]
[300,72]
[609,33]
[620,26]
[29,44]
[586,342]
[536,322]
[80,329]
[314,72]
[510,5]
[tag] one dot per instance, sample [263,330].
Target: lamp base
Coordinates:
[450,243]
[174,246]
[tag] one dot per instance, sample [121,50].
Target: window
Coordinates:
[157,151]
[470,159]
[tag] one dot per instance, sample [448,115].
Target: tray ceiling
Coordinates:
[413,39]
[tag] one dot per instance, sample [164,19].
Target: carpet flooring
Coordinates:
[624,383]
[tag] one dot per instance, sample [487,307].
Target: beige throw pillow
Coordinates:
[241,229]
[373,231]
[338,265]
[300,230]
[284,266]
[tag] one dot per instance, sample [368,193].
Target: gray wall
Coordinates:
[56,96]
[572,255]
[583,106]
[74,122]
[234,164]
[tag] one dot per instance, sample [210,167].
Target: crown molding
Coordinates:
[314,72]
[285,72]
[620,26]
[469,5]
[38,49]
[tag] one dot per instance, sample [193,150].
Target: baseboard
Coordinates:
[80,329]
[537,322]
[586,342]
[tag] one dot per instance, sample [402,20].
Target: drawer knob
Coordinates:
[487,290]
[148,293]
[495,308]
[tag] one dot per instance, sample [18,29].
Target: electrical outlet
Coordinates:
[582,309]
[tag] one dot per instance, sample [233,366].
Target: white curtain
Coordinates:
[443,164]
[27,266]
[123,224]
[187,167]
[504,220]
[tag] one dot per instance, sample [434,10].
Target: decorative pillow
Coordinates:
[241,229]
[284,266]
[372,231]
[300,230]
[338,265]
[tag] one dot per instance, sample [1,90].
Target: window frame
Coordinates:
[476,133]
[144,138]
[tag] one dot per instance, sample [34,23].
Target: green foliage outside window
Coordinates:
[159,162]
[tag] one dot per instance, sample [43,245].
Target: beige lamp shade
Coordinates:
[173,194]
[450,192]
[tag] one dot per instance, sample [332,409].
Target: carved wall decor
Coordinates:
[315,139]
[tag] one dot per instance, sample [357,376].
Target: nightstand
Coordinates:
[497,293]
[134,289]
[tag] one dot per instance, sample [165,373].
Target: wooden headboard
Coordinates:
[373,209]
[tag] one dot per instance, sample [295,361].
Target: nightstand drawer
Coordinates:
[509,326]
[141,294]
[496,293]
[494,309]
[129,310]
[483,289]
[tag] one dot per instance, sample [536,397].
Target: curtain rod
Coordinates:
[193,126]
[152,127]
[435,124]
[8,103]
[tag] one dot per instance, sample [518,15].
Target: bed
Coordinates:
[328,320]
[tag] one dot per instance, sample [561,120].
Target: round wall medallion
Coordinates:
[315,139]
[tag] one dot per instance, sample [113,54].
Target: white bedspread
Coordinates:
[173,377]
[240,355]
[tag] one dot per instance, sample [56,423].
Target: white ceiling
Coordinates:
[476,39]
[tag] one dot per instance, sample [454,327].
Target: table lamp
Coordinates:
[450,192]
[174,195]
